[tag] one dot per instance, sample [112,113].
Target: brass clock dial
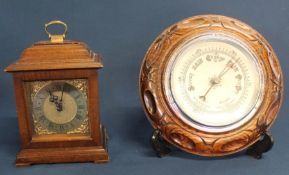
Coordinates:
[59,107]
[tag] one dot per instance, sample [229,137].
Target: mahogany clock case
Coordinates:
[41,141]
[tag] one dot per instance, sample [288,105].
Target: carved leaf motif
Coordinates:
[147,73]
[163,40]
[276,72]
[183,140]
[236,143]
[209,144]
[276,96]
[240,26]
[267,119]
[151,59]
[199,22]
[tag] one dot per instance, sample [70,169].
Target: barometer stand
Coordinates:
[162,147]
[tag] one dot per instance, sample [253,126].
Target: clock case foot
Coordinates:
[162,147]
[96,154]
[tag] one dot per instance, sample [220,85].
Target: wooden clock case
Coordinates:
[54,61]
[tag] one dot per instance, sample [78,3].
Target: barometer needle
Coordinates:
[217,80]
[203,97]
[229,65]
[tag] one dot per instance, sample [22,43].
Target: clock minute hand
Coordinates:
[62,92]
[59,105]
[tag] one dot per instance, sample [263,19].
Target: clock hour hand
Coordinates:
[52,98]
[59,106]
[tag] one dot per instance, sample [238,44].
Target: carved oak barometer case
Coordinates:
[211,85]
[56,89]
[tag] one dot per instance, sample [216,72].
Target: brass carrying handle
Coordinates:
[56,38]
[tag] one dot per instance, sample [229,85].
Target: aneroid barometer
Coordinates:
[56,89]
[211,85]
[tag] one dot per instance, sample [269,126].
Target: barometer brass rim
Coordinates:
[163,117]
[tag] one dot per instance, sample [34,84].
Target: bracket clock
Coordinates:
[56,89]
[211,85]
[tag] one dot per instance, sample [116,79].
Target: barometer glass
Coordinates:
[214,82]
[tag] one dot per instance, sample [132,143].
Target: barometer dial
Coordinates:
[215,82]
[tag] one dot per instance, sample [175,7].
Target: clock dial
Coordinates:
[215,82]
[59,107]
